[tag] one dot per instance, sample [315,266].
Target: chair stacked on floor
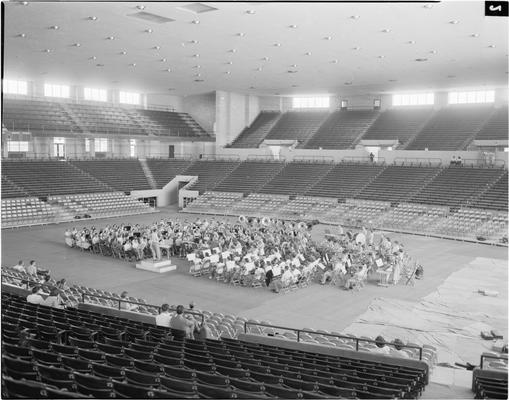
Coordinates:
[77,352]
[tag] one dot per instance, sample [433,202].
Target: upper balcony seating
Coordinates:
[341,129]
[249,176]
[345,180]
[398,124]
[164,170]
[124,175]
[496,127]
[111,356]
[296,178]
[42,178]
[454,186]
[297,125]
[167,123]
[104,118]
[253,135]
[210,173]
[396,183]
[495,198]
[11,190]
[36,116]
[451,127]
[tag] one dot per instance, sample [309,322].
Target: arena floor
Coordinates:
[319,307]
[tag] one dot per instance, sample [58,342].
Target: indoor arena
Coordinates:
[254,200]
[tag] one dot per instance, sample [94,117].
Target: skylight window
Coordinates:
[95,94]
[482,96]
[15,87]
[129,98]
[51,90]
[418,99]
[311,102]
[14,146]
[101,145]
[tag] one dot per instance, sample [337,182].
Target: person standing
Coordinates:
[154,245]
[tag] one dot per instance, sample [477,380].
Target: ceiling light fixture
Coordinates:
[308,53]
[92,18]
[277,44]
[196,55]
[77,44]
[140,7]
[411,42]
[149,30]
[22,35]
[55,27]
[241,34]
[133,64]
[123,52]
[293,26]
[195,21]
[251,12]
[474,35]
[454,22]
[111,38]
[386,30]
[156,47]
[334,61]
[355,16]
[492,46]
[163,60]
[428,6]
[328,37]
[232,50]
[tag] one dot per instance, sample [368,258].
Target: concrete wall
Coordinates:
[164,100]
[202,107]
[234,112]
[270,103]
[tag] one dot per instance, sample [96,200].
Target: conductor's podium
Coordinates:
[156,266]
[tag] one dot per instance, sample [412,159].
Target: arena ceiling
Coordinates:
[262,48]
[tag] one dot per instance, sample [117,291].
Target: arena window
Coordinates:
[129,98]
[101,145]
[310,102]
[95,94]
[14,146]
[51,90]
[480,96]
[15,87]
[417,99]
[87,145]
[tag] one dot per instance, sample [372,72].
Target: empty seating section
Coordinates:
[104,118]
[26,211]
[214,202]
[36,116]
[496,127]
[495,198]
[261,205]
[494,227]
[166,123]
[124,175]
[357,212]
[253,135]
[296,178]
[341,129]
[297,125]
[249,176]
[490,387]
[454,186]
[397,183]
[42,178]
[345,180]
[100,204]
[164,171]
[210,173]
[11,190]
[89,353]
[399,125]
[451,128]
[462,222]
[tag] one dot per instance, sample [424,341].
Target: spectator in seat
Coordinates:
[380,346]
[180,323]
[163,319]
[32,268]
[459,161]
[62,284]
[53,300]
[126,306]
[20,267]
[371,157]
[453,160]
[398,345]
[35,297]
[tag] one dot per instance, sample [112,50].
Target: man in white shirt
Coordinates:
[19,266]
[32,268]
[296,275]
[163,319]
[35,297]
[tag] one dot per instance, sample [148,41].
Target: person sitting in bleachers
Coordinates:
[53,300]
[20,266]
[164,317]
[181,325]
[380,346]
[125,305]
[398,349]
[35,297]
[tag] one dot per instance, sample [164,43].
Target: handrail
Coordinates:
[483,356]
[416,160]
[357,340]
[28,280]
